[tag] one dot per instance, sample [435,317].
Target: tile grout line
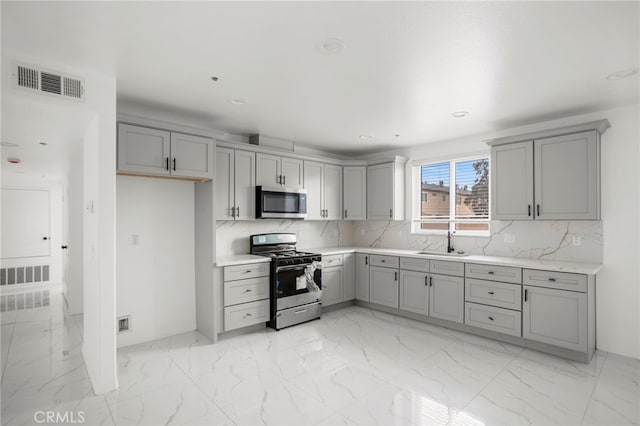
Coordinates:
[492,379]
[586,408]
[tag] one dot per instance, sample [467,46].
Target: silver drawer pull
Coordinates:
[490,318]
[247,291]
[491,293]
[247,315]
[552,280]
[301,311]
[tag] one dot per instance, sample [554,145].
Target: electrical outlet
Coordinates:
[135,239]
[124,323]
[509,238]
[576,240]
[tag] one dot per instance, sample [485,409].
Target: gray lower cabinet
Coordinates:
[446,297]
[349,277]
[556,317]
[505,321]
[362,277]
[245,295]
[414,292]
[331,286]
[384,286]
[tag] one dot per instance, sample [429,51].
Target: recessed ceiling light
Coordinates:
[619,75]
[366,137]
[331,46]
[238,101]
[460,114]
[9,144]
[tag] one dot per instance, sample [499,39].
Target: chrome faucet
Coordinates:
[450,248]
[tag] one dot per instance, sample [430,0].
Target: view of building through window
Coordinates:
[455,195]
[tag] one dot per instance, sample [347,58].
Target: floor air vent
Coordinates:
[51,82]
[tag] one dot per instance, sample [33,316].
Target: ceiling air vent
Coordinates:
[50,82]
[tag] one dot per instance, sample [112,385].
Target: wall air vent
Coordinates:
[49,82]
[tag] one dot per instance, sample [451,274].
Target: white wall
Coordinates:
[75,253]
[614,242]
[156,278]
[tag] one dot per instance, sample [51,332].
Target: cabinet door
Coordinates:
[556,317]
[331,286]
[268,170]
[384,286]
[349,277]
[143,150]
[225,203]
[414,292]
[355,193]
[512,181]
[313,181]
[332,192]
[191,156]
[446,298]
[292,172]
[566,177]
[362,277]
[245,185]
[380,184]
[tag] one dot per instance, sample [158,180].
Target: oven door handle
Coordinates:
[290,267]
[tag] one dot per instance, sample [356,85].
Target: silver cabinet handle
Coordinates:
[166,163]
[537,209]
[238,212]
[553,280]
[247,291]
[529,210]
[233,212]
[390,213]
[491,293]
[345,213]
[284,179]
[490,318]
[248,271]
[366,260]
[490,272]
[395,276]
[526,294]
[430,281]
[426,281]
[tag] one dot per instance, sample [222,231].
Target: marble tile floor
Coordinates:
[355,366]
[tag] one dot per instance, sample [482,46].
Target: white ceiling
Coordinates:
[405,68]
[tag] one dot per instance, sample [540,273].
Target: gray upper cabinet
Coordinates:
[549,175]
[512,181]
[273,170]
[148,151]
[235,184]
[355,193]
[385,191]
[323,183]
[567,176]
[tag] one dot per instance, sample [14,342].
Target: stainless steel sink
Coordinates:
[440,253]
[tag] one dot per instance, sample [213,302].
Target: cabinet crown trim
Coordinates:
[599,125]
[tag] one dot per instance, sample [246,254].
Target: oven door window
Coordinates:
[280,202]
[287,280]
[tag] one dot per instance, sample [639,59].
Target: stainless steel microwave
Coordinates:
[280,203]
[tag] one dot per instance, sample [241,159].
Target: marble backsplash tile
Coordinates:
[550,240]
[232,237]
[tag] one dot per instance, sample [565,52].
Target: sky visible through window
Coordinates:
[434,173]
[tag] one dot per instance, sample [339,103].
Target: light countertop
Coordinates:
[548,265]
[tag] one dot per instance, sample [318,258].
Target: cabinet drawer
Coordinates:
[242,291]
[246,314]
[250,270]
[505,274]
[493,293]
[495,319]
[558,280]
[414,264]
[446,268]
[332,260]
[386,261]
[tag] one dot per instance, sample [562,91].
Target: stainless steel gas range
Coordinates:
[295,279]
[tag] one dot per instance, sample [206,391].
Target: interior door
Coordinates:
[25,223]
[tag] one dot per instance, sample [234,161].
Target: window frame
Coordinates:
[416,197]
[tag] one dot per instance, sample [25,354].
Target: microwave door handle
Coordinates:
[289,268]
